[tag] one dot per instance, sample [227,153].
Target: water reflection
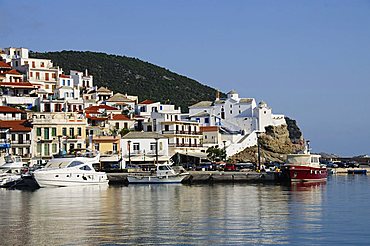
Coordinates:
[160,214]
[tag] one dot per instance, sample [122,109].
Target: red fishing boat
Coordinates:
[304,167]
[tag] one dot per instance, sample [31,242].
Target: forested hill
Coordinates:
[133,76]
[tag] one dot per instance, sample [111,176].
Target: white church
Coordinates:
[238,119]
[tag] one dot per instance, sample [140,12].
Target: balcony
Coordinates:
[174,132]
[185,145]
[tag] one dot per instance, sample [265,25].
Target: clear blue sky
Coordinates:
[309,60]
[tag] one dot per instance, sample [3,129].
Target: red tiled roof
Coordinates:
[209,128]
[64,76]
[18,84]
[6,109]
[147,101]
[13,71]
[92,109]
[4,65]
[15,125]
[120,117]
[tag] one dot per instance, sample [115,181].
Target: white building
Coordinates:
[235,114]
[82,80]
[144,148]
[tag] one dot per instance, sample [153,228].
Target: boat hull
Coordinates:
[57,179]
[297,173]
[156,179]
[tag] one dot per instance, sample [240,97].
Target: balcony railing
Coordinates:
[185,145]
[181,132]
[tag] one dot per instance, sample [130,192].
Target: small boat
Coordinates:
[304,167]
[70,170]
[163,174]
[357,171]
[11,170]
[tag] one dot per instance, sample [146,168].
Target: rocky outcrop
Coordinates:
[275,144]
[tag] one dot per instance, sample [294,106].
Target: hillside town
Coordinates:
[45,112]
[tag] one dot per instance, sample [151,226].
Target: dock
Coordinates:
[199,177]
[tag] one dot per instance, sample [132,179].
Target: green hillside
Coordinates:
[133,76]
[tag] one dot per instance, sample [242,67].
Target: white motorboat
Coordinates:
[70,170]
[163,174]
[11,170]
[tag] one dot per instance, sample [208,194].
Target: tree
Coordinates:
[214,153]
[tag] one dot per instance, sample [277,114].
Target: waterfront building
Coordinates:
[58,131]
[16,138]
[10,113]
[144,148]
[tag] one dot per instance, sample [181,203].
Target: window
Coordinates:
[53,131]
[71,132]
[79,131]
[152,146]
[64,131]
[75,163]
[46,149]
[38,149]
[38,131]
[46,133]
[85,168]
[136,146]
[54,148]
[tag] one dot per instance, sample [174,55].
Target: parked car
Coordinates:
[246,165]
[353,164]
[331,165]
[342,164]
[205,167]
[229,167]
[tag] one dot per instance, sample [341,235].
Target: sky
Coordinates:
[309,60]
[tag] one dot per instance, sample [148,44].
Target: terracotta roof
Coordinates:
[119,117]
[6,109]
[15,125]
[147,101]
[209,128]
[18,84]
[65,76]
[13,71]
[92,109]
[4,65]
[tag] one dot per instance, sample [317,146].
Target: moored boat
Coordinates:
[304,167]
[70,171]
[163,174]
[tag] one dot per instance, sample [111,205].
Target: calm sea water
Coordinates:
[334,213]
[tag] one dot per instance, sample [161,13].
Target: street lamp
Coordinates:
[258,151]
[156,149]
[60,144]
[129,152]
